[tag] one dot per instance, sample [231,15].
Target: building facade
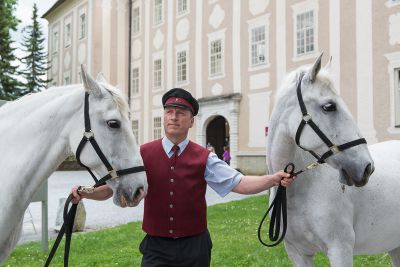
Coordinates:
[232,55]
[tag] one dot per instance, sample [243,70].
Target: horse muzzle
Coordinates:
[128,197]
[350,179]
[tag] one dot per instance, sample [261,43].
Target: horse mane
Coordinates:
[32,101]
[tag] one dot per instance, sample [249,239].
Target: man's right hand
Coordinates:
[76,195]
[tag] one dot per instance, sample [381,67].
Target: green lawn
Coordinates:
[233,228]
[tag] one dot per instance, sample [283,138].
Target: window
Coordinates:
[156,128]
[397,97]
[258,51]
[135,81]
[135,130]
[157,73]
[136,20]
[55,41]
[181,63]
[305,33]
[158,12]
[82,26]
[216,57]
[67,34]
[182,6]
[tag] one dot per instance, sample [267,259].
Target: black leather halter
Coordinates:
[278,206]
[307,120]
[69,215]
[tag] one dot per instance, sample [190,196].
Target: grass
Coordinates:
[233,227]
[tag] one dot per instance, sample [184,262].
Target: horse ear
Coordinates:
[315,69]
[328,64]
[100,78]
[91,86]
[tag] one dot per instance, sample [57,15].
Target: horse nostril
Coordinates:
[369,170]
[137,193]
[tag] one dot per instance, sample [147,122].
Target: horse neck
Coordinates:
[35,140]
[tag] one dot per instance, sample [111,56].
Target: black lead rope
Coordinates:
[279,210]
[69,215]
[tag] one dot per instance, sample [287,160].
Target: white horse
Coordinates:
[39,131]
[325,212]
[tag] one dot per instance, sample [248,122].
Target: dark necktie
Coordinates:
[175,149]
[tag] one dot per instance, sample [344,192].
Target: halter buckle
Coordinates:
[312,165]
[86,189]
[307,117]
[88,135]
[113,174]
[334,149]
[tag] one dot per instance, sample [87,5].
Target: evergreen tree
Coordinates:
[35,62]
[9,85]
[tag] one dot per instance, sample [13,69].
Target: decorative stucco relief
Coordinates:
[394,29]
[217,89]
[216,17]
[257,6]
[158,39]
[182,29]
[136,49]
[67,60]
[157,100]
[82,53]
[54,65]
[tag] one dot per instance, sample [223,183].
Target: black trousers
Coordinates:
[193,251]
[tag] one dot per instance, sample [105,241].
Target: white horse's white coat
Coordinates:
[324,214]
[38,131]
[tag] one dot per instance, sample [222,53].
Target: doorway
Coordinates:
[217,134]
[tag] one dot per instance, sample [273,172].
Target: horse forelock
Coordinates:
[290,83]
[118,98]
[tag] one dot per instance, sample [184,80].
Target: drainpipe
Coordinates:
[129,56]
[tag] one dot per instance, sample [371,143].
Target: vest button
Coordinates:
[171,231]
[171,206]
[171,218]
[171,193]
[172,180]
[172,167]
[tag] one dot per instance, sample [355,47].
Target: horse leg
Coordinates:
[395,257]
[340,255]
[298,259]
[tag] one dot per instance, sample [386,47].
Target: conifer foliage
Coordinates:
[9,85]
[35,61]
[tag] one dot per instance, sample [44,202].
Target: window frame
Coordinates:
[158,10]
[157,129]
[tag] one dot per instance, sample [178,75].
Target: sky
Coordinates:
[24,13]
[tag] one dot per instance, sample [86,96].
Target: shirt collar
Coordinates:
[167,145]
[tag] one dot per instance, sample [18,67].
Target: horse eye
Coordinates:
[113,124]
[329,107]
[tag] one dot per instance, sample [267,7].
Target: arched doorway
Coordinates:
[217,134]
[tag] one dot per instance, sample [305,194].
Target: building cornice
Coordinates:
[54,7]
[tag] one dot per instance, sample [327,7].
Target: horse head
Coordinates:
[110,125]
[324,108]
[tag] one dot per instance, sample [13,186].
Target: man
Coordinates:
[178,172]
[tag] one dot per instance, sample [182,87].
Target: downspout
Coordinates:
[129,56]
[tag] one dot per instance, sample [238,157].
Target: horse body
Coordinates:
[324,214]
[41,130]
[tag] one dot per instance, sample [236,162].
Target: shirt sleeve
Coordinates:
[221,177]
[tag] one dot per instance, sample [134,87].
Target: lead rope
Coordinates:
[279,210]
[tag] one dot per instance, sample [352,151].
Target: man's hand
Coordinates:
[76,195]
[282,178]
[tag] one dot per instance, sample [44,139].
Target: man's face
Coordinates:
[177,121]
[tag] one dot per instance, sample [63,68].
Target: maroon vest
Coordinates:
[175,205]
